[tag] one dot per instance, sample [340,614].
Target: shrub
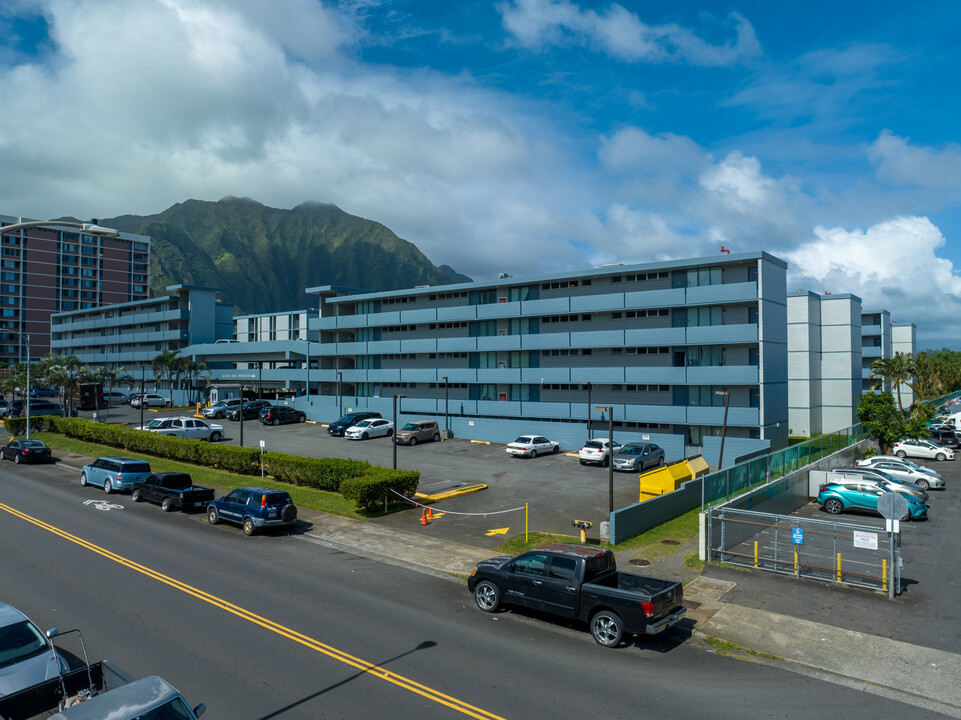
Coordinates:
[319,473]
[373,489]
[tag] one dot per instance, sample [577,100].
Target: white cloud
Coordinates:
[893,265]
[622,34]
[901,163]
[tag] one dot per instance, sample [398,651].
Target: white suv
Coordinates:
[597,451]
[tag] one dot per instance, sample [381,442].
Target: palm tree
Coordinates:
[927,376]
[60,376]
[894,371]
[193,370]
[166,365]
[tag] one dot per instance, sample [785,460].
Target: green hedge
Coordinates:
[356,480]
[373,489]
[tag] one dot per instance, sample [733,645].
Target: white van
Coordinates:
[114,397]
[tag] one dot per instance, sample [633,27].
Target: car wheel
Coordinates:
[212,517]
[606,461]
[249,527]
[833,506]
[301,418]
[583,462]
[411,442]
[487,596]
[901,453]
[436,437]
[533,454]
[167,505]
[107,487]
[218,416]
[390,433]
[939,457]
[16,459]
[276,422]
[906,516]
[924,485]
[136,496]
[556,449]
[364,436]
[83,479]
[607,629]
[215,436]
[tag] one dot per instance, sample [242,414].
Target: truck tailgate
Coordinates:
[665,594]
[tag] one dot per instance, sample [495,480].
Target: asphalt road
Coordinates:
[552,490]
[275,626]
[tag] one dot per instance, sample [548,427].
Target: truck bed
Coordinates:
[42,700]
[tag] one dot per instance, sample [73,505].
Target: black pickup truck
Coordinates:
[172,491]
[581,582]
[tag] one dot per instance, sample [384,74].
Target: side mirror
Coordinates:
[52,632]
[200,709]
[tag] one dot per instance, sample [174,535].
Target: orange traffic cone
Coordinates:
[423,518]
[430,512]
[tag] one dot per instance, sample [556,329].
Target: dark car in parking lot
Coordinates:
[277,414]
[252,410]
[37,407]
[26,451]
[945,437]
[253,508]
[339,427]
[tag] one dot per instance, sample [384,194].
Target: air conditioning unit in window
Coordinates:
[502,364]
[501,299]
[502,332]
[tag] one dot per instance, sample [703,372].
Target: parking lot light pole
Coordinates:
[340,391]
[241,414]
[393,439]
[143,375]
[589,436]
[446,404]
[260,388]
[610,454]
[727,400]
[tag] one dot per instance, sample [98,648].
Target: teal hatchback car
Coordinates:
[840,496]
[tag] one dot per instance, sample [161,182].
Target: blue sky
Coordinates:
[521,136]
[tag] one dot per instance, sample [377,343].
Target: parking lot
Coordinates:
[926,611]
[555,488]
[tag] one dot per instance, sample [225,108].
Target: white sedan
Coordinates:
[532,446]
[186,427]
[372,427]
[922,449]
[150,400]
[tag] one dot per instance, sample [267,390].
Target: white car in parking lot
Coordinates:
[185,427]
[922,449]
[532,446]
[904,470]
[372,427]
[597,451]
[150,400]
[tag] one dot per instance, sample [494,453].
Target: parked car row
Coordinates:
[860,488]
[365,425]
[252,508]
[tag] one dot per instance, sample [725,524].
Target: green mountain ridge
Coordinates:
[264,258]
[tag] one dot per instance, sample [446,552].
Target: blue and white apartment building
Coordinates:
[663,345]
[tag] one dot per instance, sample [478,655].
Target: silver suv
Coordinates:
[220,409]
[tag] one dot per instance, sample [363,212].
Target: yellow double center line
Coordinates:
[332,652]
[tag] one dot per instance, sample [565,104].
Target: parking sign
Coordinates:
[797,536]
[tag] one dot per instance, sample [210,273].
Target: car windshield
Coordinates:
[630,450]
[410,426]
[33,444]
[525,440]
[277,500]
[157,424]
[20,641]
[593,445]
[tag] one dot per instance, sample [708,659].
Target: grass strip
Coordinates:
[310,498]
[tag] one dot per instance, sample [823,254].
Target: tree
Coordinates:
[927,376]
[881,419]
[167,365]
[894,370]
[193,371]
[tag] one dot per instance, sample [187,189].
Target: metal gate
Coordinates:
[825,550]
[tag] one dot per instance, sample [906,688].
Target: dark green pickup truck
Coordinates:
[580,582]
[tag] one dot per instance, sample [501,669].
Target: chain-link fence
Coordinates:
[837,552]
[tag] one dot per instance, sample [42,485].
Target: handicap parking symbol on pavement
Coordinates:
[797,536]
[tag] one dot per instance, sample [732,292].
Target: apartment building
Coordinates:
[662,346]
[875,344]
[51,269]
[824,362]
[270,327]
[130,335]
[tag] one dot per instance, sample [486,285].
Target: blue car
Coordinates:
[43,392]
[114,474]
[843,495]
[253,508]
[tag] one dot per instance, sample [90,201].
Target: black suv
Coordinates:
[277,414]
[945,438]
[339,427]
[252,409]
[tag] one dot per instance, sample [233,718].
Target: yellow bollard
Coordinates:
[755,553]
[795,560]
[839,567]
[884,574]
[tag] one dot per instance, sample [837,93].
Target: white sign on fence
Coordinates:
[865,540]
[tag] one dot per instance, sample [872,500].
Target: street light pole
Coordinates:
[589,436]
[26,395]
[143,375]
[260,387]
[340,391]
[727,400]
[241,414]
[446,405]
[393,439]
[610,454]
